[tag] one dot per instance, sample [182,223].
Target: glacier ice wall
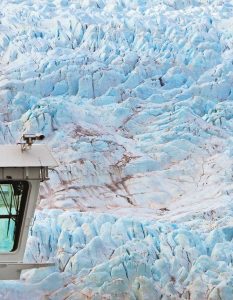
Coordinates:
[100,256]
[135,98]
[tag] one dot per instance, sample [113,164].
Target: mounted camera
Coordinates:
[28,139]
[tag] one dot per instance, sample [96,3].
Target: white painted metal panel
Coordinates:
[37,156]
[12,271]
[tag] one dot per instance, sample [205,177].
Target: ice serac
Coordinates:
[135,99]
[122,258]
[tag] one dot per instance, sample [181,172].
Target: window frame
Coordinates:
[21,216]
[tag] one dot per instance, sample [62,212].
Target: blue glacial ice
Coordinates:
[135,99]
[124,258]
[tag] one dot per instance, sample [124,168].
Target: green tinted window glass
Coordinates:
[13,196]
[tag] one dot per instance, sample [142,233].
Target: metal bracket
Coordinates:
[12,270]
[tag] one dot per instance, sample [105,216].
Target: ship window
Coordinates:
[13,197]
